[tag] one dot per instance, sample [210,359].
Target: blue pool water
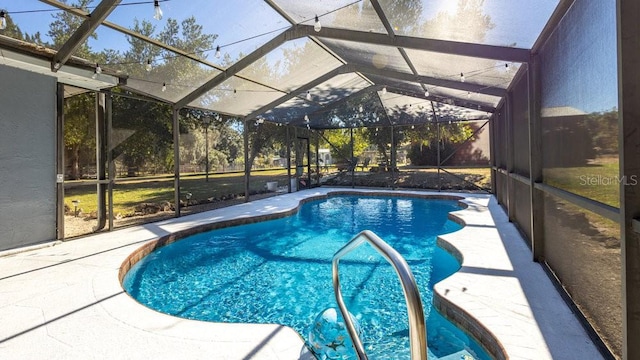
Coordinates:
[279,271]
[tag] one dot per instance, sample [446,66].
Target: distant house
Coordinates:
[324,157]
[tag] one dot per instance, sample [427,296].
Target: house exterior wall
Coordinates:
[27,158]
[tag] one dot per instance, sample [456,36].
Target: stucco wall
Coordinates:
[27,158]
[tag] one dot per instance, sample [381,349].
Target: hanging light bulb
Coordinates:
[413,127]
[157,12]
[461,77]
[426,93]
[148,65]
[306,118]
[384,90]
[317,26]
[97,71]
[3,19]
[360,108]
[218,52]
[164,87]
[308,95]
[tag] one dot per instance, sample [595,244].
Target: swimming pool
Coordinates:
[279,271]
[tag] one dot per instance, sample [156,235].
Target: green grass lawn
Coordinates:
[130,192]
[599,181]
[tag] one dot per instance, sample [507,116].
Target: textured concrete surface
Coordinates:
[65,301]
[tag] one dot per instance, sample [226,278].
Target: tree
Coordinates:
[381,138]
[447,25]
[264,136]
[231,142]
[64,25]
[603,128]
[79,130]
[149,129]
[12,30]
[151,122]
[423,140]
[339,142]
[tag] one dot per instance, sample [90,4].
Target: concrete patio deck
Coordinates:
[64,301]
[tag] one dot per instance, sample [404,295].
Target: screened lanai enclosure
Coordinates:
[121,112]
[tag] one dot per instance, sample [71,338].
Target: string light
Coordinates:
[3,19]
[157,12]
[306,118]
[317,26]
[426,93]
[164,86]
[308,95]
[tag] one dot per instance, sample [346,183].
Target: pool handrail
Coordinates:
[417,327]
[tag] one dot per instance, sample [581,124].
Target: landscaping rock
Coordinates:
[148,208]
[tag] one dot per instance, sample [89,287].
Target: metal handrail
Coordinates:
[417,327]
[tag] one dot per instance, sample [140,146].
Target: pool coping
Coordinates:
[504,323]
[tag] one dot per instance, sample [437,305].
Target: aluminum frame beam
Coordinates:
[628,30]
[308,86]
[557,15]
[421,79]
[449,100]
[493,52]
[238,66]
[389,28]
[89,25]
